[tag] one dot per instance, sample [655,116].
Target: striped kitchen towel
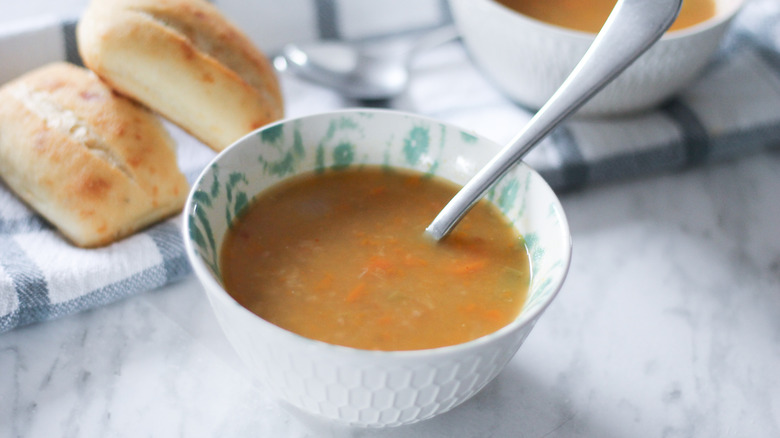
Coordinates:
[732,110]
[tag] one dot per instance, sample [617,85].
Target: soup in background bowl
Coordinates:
[528,58]
[352,386]
[590,15]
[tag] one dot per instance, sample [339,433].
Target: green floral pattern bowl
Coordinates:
[350,386]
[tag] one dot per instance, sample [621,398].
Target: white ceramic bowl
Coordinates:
[528,59]
[359,387]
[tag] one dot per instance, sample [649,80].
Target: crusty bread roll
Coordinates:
[97,165]
[183,59]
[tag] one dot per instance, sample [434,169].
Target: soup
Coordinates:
[590,15]
[341,257]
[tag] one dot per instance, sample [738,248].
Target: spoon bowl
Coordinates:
[356,70]
[353,73]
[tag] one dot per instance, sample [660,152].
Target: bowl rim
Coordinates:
[211,285]
[721,17]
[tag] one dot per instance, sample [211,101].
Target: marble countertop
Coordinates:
[667,326]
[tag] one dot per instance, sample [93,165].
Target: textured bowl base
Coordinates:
[322,427]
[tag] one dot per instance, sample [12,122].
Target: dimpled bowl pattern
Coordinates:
[529,60]
[350,386]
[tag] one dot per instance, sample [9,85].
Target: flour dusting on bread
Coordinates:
[55,116]
[95,164]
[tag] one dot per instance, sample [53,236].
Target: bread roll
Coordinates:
[97,165]
[183,59]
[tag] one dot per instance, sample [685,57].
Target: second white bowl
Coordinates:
[528,59]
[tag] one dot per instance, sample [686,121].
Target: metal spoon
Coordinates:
[632,27]
[355,71]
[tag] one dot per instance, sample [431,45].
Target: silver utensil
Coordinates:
[632,27]
[355,71]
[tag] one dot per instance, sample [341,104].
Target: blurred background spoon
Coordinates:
[632,27]
[353,69]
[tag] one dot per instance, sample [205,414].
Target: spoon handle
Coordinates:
[632,27]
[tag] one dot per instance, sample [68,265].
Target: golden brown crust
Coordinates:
[97,165]
[185,60]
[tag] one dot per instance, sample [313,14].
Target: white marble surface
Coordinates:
[668,326]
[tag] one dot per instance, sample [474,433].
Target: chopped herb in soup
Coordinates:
[342,257]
